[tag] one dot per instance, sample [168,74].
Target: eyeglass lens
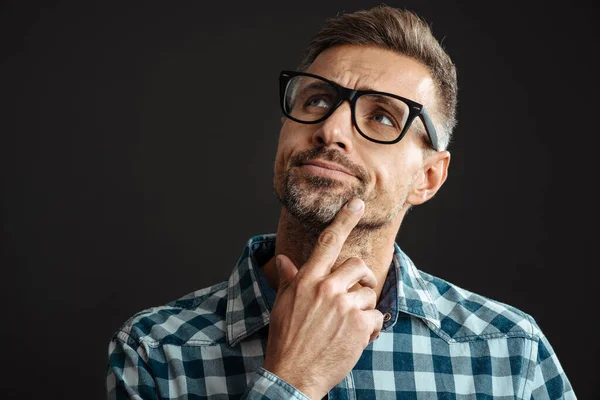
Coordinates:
[377,116]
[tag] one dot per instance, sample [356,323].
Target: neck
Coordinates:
[296,241]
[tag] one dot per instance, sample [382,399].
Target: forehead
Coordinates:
[366,67]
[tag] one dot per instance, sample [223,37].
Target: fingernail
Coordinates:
[355,205]
[277,262]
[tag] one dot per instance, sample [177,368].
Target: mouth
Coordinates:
[325,168]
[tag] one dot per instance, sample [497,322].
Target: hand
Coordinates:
[321,320]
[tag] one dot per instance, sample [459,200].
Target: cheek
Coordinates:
[285,149]
[391,175]
[292,139]
[282,146]
[383,173]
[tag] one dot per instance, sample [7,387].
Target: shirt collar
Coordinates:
[249,302]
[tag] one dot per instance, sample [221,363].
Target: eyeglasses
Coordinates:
[379,117]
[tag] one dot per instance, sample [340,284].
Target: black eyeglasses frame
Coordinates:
[352,95]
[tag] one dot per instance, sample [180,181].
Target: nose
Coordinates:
[337,130]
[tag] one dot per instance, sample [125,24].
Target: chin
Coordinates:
[314,207]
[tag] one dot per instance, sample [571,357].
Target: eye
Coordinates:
[318,101]
[382,119]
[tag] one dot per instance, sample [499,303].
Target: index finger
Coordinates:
[332,238]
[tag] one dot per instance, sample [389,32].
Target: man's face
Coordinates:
[319,167]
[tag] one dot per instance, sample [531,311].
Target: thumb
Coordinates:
[287,271]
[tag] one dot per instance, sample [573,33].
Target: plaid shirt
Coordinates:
[440,342]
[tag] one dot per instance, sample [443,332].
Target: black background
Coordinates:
[137,149]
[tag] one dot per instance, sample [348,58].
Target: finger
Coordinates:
[332,239]
[353,271]
[377,320]
[287,271]
[364,298]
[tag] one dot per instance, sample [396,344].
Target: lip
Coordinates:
[329,166]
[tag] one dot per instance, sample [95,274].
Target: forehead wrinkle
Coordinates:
[348,71]
[353,78]
[357,77]
[359,68]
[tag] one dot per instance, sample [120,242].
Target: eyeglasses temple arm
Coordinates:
[430,128]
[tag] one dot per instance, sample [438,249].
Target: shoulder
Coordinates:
[194,319]
[465,315]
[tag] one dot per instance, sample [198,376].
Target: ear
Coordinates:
[283,120]
[430,178]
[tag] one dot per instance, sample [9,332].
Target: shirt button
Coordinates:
[387,316]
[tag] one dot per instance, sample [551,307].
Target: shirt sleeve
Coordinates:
[128,375]
[550,380]
[266,385]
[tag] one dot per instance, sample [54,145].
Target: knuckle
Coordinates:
[370,279]
[327,288]
[356,261]
[343,304]
[301,285]
[358,317]
[371,295]
[373,281]
[379,319]
[328,238]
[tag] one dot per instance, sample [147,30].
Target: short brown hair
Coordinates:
[404,32]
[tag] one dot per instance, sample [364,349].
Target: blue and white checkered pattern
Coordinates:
[442,342]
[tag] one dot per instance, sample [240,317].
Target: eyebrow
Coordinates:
[384,99]
[366,88]
[317,85]
[363,87]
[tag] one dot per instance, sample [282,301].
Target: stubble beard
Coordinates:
[315,200]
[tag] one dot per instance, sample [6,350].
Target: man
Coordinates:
[330,306]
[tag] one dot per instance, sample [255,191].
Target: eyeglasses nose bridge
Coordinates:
[343,95]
